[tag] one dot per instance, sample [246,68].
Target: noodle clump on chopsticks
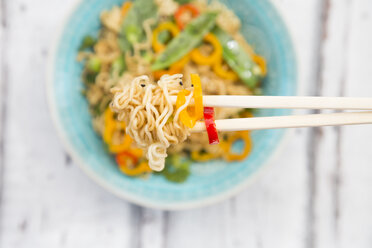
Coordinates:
[152,121]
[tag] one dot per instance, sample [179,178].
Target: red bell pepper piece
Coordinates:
[210,125]
[181,10]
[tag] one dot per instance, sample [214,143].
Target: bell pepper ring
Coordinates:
[211,59]
[181,11]
[127,164]
[227,146]
[202,157]
[165,26]
[210,125]
[225,74]
[261,62]
[111,126]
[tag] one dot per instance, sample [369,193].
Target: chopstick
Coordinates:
[314,120]
[286,102]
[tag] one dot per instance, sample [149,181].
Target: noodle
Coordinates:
[146,108]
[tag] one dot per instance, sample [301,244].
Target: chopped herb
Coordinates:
[87,43]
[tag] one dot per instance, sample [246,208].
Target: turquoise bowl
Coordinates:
[209,182]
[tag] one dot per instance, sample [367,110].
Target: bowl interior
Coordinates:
[210,181]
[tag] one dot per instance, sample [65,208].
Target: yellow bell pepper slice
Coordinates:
[261,62]
[198,96]
[125,8]
[211,59]
[140,169]
[186,119]
[165,26]
[222,73]
[226,146]
[111,126]
[127,163]
[125,145]
[202,157]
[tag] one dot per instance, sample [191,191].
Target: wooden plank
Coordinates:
[3,90]
[48,201]
[336,213]
[355,217]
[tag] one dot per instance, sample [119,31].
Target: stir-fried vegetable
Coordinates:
[94,64]
[210,125]
[165,26]
[261,62]
[186,119]
[236,57]
[200,156]
[227,146]
[183,1]
[188,39]
[128,163]
[125,8]
[181,11]
[189,118]
[214,57]
[111,125]
[223,73]
[87,43]
[174,69]
[198,96]
[131,29]
[118,66]
[176,170]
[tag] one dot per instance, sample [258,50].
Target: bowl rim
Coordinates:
[58,34]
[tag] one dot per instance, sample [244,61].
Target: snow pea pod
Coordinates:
[183,1]
[188,39]
[238,59]
[131,29]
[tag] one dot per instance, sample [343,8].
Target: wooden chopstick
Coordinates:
[315,120]
[287,102]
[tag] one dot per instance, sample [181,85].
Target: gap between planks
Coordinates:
[315,133]
[3,97]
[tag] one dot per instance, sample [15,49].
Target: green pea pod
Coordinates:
[188,39]
[131,29]
[183,1]
[238,59]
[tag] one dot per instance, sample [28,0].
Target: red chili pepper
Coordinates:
[211,126]
[183,9]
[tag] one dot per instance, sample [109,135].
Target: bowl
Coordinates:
[209,182]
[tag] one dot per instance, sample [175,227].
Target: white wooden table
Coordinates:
[318,193]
